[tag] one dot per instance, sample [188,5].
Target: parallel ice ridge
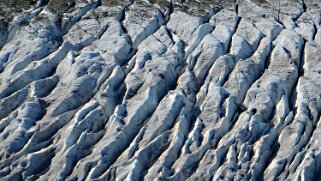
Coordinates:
[160,90]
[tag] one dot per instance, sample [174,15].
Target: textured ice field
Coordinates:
[160,90]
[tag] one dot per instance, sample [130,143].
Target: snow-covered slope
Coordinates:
[160,90]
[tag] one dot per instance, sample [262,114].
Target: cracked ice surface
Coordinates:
[160,90]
